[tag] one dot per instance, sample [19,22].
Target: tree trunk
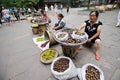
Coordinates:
[88,5]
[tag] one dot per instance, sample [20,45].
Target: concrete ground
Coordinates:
[19,56]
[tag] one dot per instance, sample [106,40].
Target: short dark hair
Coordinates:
[42,11]
[96,13]
[61,15]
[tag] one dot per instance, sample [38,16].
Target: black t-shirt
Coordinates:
[92,30]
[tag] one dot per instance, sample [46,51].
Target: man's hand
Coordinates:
[89,40]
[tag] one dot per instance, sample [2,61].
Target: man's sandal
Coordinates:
[97,56]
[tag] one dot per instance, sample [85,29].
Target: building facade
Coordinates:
[77,3]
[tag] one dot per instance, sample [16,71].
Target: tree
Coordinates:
[18,3]
[88,7]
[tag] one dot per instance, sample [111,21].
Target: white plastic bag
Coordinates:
[67,74]
[83,71]
[44,48]
[79,73]
[61,39]
[82,38]
[35,41]
[40,43]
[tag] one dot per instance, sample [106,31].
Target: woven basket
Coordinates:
[70,51]
[42,29]
[49,61]
[49,36]
[35,30]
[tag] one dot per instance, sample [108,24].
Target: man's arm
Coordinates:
[95,35]
[82,26]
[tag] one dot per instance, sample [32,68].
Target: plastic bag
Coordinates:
[64,34]
[83,71]
[45,47]
[37,42]
[82,38]
[67,74]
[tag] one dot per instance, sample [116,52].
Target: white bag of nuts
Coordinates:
[82,36]
[62,36]
[63,68]
[90,72]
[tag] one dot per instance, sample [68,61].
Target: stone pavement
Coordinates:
[19,56]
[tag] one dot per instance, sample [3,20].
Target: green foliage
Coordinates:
[18,3]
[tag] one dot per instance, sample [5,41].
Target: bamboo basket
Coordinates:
[70,51]
[48,61]
[42,29]
[35,28]
[49,36]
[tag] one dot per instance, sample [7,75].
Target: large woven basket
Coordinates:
[49,35]
[70,51]
[42,29]
[48,61]
[35,30]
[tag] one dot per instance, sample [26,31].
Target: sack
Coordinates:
[83,71]
[68,73]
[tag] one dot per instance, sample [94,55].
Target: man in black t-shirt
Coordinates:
[93,29]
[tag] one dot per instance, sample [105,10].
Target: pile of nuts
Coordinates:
[61,35]
[61,65]
[79,33]
[69,31]
[70,39]
[92,73]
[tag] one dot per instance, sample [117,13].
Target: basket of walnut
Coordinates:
[91,72]
[63,68]
[70,44]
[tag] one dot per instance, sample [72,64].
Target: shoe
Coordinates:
[79,48]
[97,56]
[117,25]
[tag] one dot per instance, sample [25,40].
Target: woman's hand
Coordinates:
[53,28]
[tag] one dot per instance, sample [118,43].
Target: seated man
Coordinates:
[93,29]
[6,17]
[61,23]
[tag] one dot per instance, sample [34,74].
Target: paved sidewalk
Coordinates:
[19,56]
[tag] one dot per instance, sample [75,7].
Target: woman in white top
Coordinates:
[46,8]
[56,8]
[61,23]
[51,7]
